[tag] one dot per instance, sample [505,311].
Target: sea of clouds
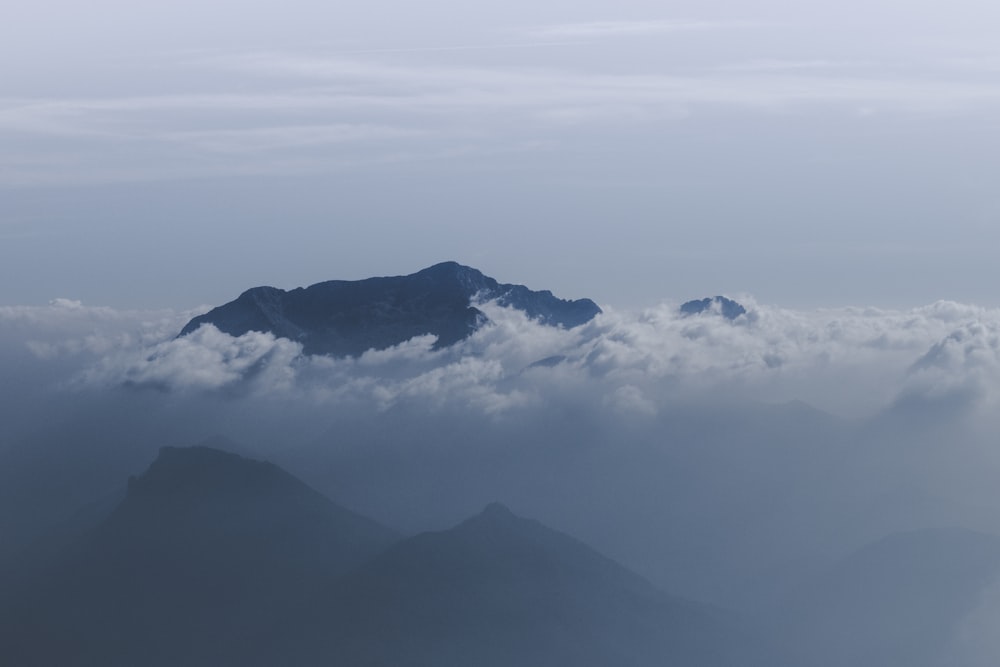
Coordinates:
[852,362]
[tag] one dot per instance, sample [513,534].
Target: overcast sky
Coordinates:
[806,154]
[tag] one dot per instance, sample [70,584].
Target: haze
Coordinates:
[821,466]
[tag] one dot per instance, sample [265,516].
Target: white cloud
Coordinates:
[69,327]
[852,360]
[964,364]
[210,359]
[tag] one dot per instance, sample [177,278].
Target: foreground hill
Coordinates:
[344,317]
[500,590]
[206,547]
[214,559]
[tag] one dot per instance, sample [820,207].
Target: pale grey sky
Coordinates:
[809,154]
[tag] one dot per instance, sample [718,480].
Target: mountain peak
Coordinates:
[449,267]
[202,489]
[346,318]
[205,545]
[196,453]
[498,589]
[497,512]
[719,305]
[497,508]
[190,472]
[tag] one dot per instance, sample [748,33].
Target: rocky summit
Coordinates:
[718,305]
[348,317]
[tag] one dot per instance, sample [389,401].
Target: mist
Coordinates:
[735,462]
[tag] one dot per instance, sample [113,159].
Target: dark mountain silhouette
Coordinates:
[898,601]
[214,559]
[728,308]
[206,548]
[342,317]
[499,590]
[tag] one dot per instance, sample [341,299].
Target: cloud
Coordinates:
[625,28]
[210,359]
[308,112]
[851,360]
[791,65]
[67,327]
[442,87]
[285,137]
[964,365]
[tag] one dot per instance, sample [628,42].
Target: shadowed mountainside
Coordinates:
[206,547]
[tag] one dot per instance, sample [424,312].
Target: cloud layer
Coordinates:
[850,361]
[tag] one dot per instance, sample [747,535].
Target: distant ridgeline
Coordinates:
[347,317]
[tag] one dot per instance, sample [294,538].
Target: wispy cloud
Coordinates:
[626,28]
[752,85]
[788,65]
[385,107]
[283,137]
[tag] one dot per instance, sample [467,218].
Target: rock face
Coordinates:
[345,318]
[728,308]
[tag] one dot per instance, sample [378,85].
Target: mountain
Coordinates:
[728,308]
[342,317]
[500,590]
[205,548]
[216,560]
[903,600]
